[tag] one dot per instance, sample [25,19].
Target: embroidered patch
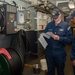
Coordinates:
[49,30]
[68,28]
[53,12]
[61,29]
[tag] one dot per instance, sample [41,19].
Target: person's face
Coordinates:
[57,19]
[73,20]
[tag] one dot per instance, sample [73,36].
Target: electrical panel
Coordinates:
[8,22]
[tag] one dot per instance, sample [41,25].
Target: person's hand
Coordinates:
[73,62]
[55,37]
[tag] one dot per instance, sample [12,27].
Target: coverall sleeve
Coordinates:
[73,49]
[67,38]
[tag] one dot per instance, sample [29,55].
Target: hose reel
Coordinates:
[12,59]
[4,65]
[13,66]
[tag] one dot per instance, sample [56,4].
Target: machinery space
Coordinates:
[28,70]
[21,24]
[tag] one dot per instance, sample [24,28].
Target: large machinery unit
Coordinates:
[7,18]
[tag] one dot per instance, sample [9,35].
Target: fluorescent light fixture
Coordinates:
[71,4]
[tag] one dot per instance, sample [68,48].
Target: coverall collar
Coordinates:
[59,25]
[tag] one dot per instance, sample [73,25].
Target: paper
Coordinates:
[42,39]
[45,35]
[49,33]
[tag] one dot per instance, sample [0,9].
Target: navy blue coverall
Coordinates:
[55,51]
[73,52]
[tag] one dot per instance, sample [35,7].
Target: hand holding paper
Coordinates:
[55,37]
